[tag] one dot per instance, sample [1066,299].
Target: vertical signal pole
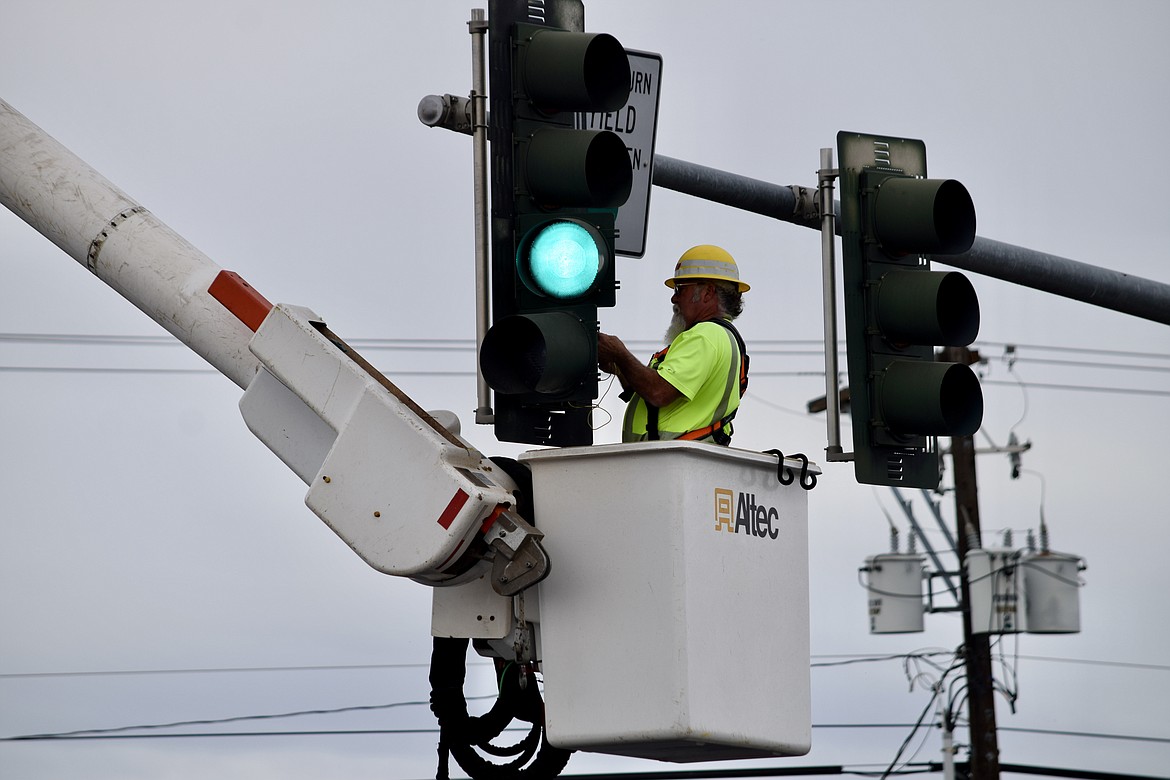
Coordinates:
[829,277]
[977,647]
[478,29]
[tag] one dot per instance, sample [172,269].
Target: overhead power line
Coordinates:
[119,732]
[219,670]
[469,373]
[102,370]
[1095,662]
[702,774]
[1086,734]
[85,339]
[776,348]
[830,660]
[1094,364]
[857,769]
[854,769]
[1078,350]
[1079,388]
[122,732]
[163,371]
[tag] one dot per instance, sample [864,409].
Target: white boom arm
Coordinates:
[410,497]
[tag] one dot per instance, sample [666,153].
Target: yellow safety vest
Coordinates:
[708,365]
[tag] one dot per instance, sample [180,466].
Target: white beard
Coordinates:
[677,326]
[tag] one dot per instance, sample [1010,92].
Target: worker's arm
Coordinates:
[614,357]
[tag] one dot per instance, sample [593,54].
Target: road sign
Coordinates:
[637,124]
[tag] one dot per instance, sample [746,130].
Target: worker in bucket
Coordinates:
[691,389]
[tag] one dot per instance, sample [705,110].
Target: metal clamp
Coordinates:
[520,561]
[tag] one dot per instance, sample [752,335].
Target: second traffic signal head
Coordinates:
[911,309]
[898,310]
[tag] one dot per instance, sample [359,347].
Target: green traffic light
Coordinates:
[561,259]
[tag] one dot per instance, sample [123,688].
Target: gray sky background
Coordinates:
[143,528]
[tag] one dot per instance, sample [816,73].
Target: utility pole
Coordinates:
[977,647]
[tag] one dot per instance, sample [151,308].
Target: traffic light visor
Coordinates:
[930,399]
[561,259]
[576,71]
[547,352]
[587,168]
[924,215]
[927,307]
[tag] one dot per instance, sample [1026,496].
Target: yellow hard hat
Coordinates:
[706,262]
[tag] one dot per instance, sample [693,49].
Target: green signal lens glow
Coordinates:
[563,259]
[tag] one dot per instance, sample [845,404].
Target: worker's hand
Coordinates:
[609,349]
[613,356]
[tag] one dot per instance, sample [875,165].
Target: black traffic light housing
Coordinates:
[897,310]
[555,194]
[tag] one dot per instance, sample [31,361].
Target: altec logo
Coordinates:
[755,519]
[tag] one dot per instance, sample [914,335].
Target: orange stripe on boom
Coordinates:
[240,298]
[452,509]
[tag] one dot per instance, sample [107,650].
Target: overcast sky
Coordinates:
[143,528]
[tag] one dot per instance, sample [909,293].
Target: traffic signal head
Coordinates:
[897,310]
[555,194]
